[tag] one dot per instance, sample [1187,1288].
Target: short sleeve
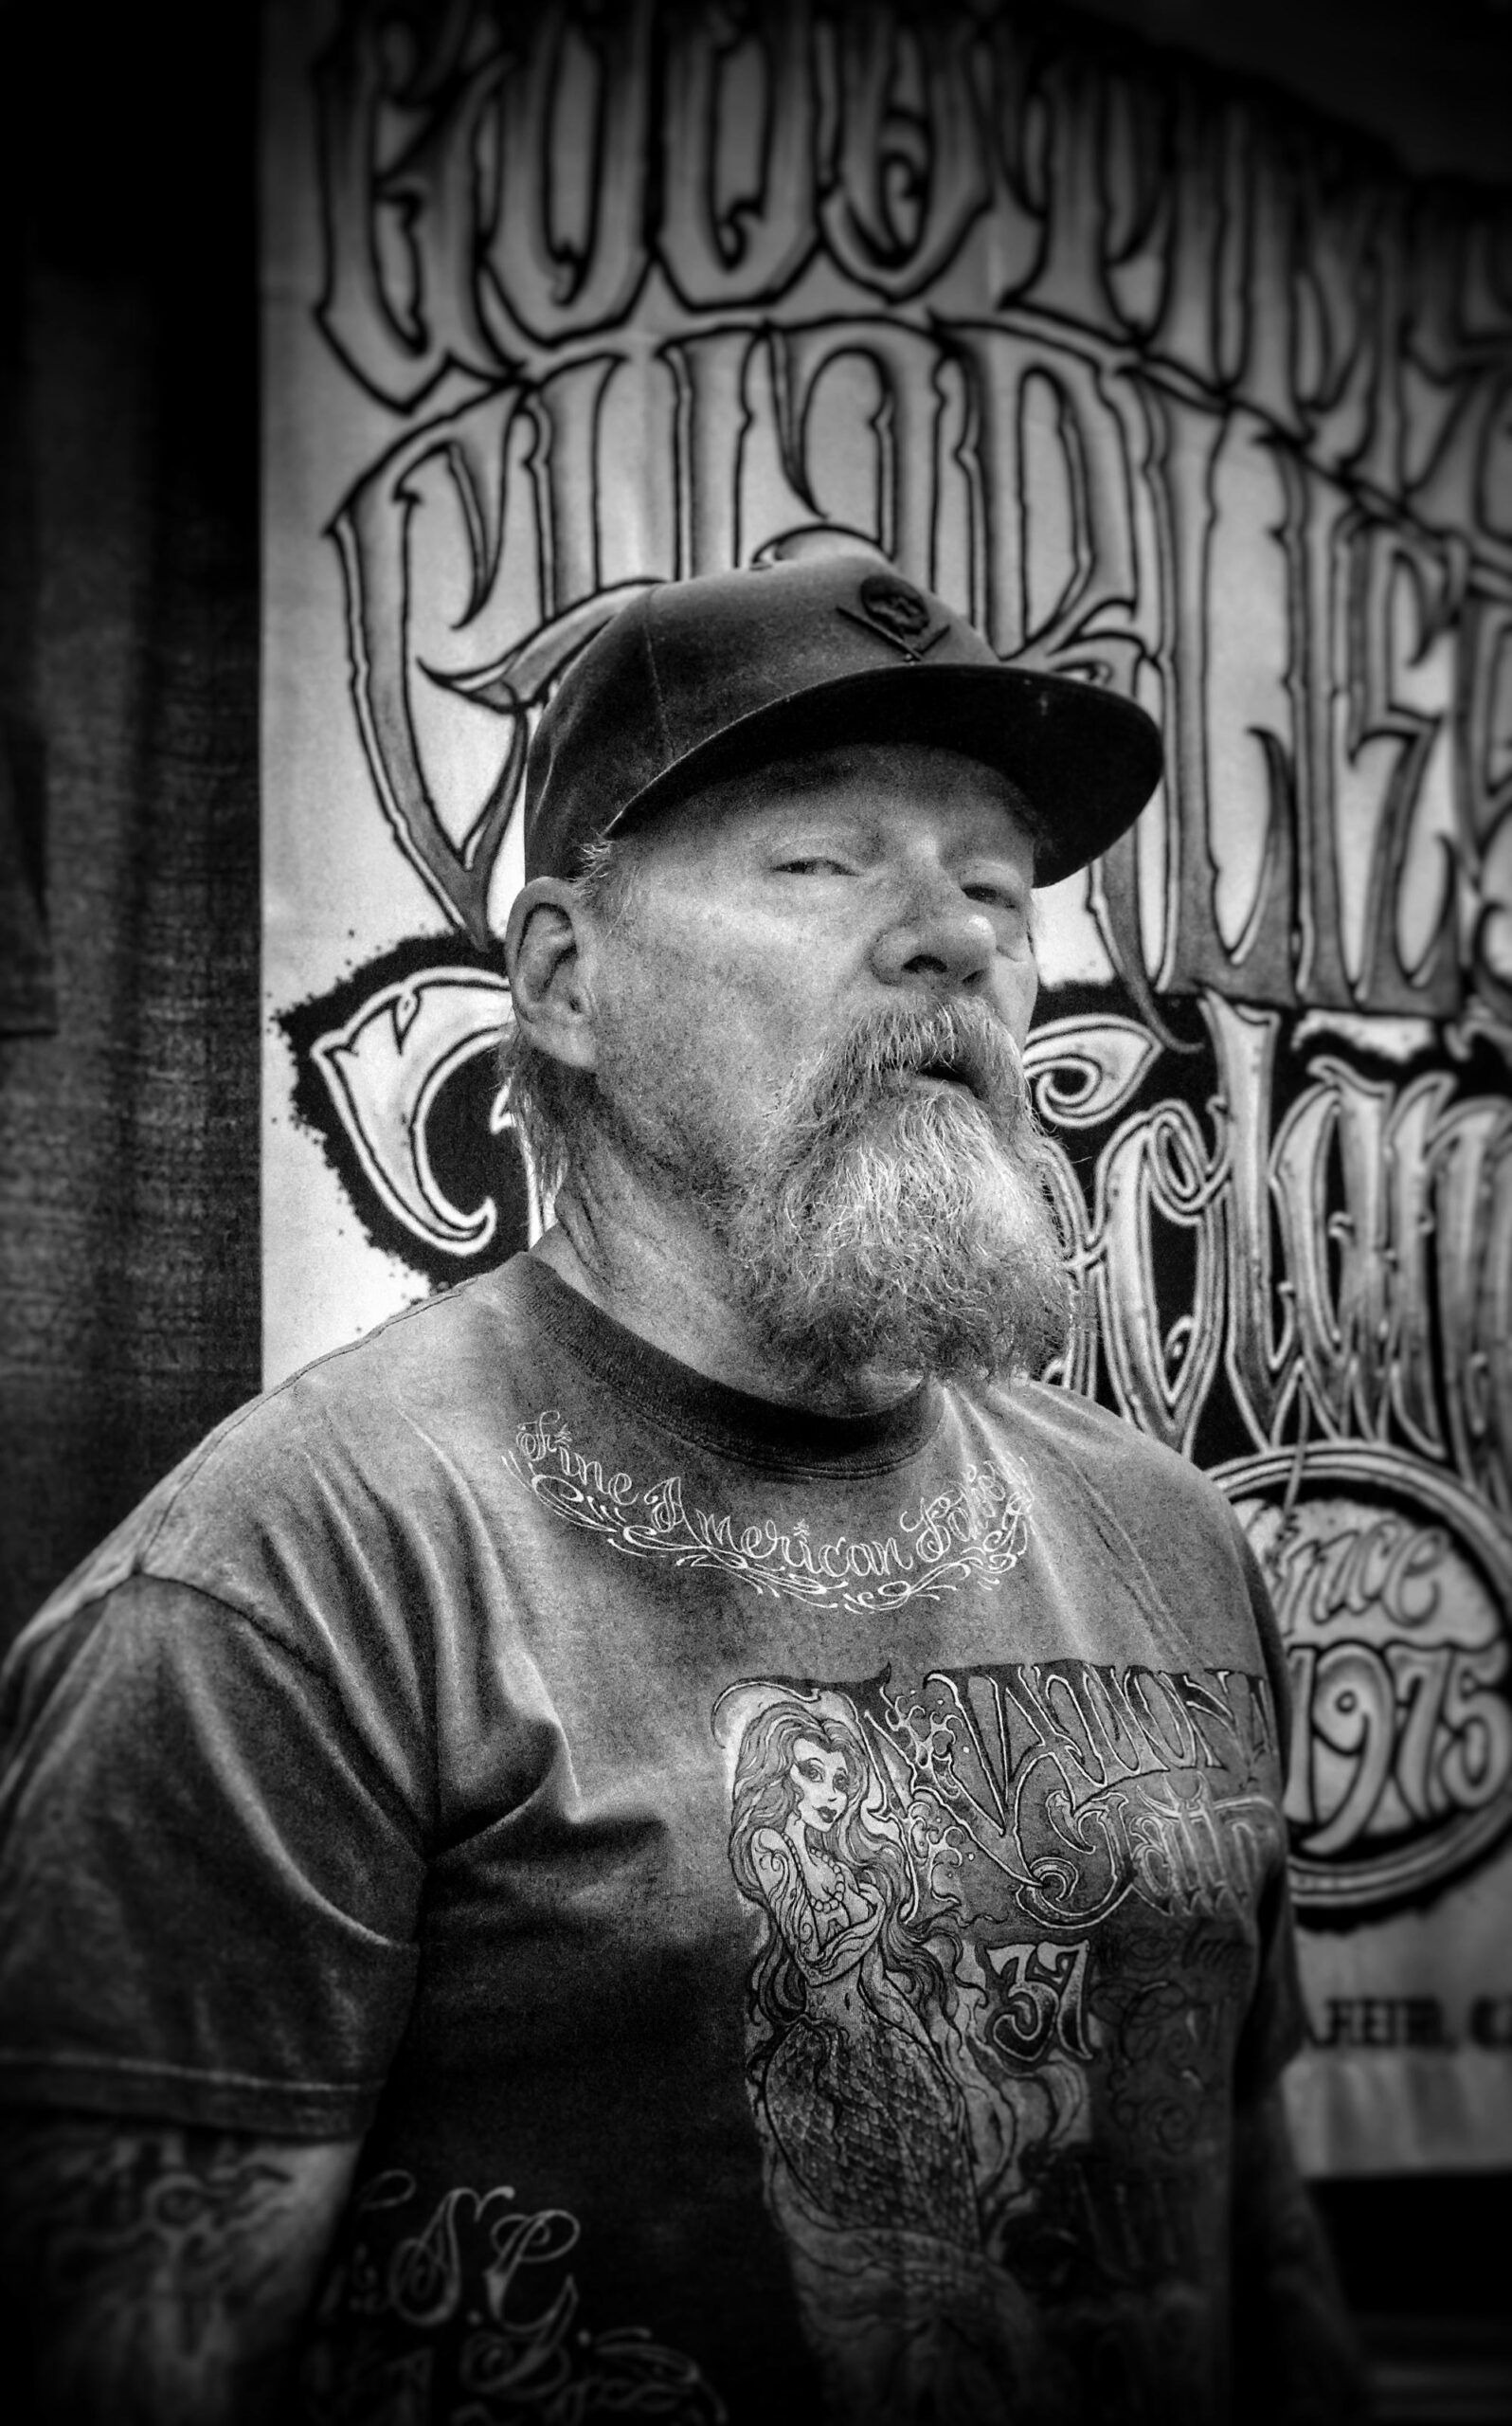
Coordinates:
[1274,2027]
[210,1889]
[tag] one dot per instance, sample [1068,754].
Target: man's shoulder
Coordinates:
[376,1402]
[359,1437]
[421,1348]
[1140,1511]
[1087,1428]
[1155,1493]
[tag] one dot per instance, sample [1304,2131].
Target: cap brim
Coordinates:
[1086,761]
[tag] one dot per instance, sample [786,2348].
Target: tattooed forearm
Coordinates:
[153,2275]
[1297,2362]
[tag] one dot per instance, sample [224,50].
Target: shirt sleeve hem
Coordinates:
[1257,2077]
[173,2094]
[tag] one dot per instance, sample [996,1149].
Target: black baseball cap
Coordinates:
[702,678]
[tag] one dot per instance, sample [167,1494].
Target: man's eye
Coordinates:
[1009,913]
[814,867]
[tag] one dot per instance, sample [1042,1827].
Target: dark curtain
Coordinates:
[128,763]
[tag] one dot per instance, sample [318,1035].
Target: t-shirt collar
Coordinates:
[755,1431]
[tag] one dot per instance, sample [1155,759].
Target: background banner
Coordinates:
[1172,388]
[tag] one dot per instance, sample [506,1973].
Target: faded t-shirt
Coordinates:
[792,1903]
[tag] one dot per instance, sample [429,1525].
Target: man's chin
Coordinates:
[971,1300]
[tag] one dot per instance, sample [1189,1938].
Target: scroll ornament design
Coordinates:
[975,1530]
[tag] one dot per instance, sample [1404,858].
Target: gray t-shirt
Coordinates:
[792,1903]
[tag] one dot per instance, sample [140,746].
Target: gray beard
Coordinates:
[898,1229]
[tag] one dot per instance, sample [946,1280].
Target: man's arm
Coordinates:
[154,2276]
[1295,2361]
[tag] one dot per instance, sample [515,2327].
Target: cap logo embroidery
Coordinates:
[895,612]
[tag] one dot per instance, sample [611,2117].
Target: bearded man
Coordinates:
[671,1835]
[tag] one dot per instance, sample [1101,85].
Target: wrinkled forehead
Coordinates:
[862,782]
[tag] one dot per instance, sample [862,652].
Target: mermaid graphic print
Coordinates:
[892,2142]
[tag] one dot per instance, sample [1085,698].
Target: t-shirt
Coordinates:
[791,1901]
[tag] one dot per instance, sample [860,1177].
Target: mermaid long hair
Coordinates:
[866,1839]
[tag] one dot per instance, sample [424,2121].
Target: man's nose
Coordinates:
[942,942]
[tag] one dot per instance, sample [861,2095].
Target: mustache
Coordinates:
[956,1041]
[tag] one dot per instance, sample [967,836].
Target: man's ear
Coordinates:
[542,960]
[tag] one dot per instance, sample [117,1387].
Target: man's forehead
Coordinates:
[859,778]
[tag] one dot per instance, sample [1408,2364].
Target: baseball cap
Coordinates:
[702,678]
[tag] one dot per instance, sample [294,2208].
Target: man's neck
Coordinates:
[657,1271]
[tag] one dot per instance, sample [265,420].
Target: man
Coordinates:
[664,1836]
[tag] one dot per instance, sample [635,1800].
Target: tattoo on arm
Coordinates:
[1296,2359]
[155,2276]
